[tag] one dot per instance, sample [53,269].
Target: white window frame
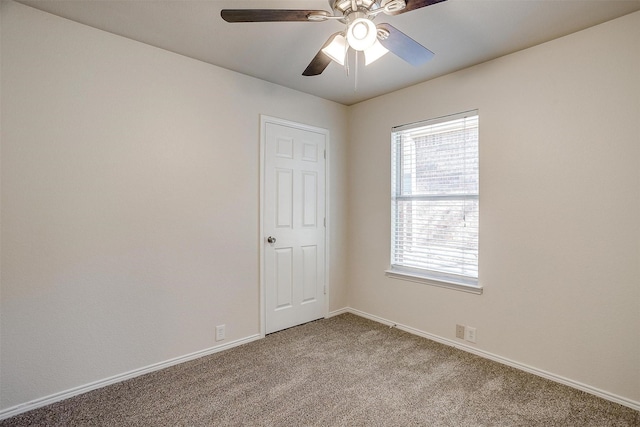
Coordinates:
[420,275]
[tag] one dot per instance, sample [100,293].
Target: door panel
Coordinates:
[293,214]
[309,199]
[284,198]
[284,278]
[309,273]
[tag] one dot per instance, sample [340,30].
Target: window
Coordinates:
[435,202]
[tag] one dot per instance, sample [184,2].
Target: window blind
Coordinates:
[435,196]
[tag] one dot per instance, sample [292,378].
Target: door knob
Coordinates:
[271,239]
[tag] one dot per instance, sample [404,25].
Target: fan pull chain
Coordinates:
[355,74]
[346,59]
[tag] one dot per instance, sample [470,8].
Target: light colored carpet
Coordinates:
[343,371]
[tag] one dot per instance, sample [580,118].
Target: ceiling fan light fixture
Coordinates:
[362,34]
[359,31]
[375,52]
[337,49]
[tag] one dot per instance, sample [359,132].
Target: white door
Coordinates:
[293,224]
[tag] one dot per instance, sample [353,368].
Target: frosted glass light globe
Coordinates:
[362,34]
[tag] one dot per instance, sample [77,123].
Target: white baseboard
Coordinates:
[523,367]
[338,312]
[38,403]
[44,401]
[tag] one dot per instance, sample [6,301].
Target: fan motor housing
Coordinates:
[346,6]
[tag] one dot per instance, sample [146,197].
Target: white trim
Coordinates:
[57,397]
[264,119]
[263,133]
[327,219]
[444,282]
[335,313]
[436,120]
[503,360]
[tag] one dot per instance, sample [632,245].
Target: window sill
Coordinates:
[434,281]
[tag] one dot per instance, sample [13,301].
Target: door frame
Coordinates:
[264,119]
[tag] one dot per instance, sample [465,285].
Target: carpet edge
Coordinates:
[496,358]
[57,397]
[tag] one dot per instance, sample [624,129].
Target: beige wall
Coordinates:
[130,205]
[559,207]
[130,202]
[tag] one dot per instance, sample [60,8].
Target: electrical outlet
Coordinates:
[219,332]
[470,334]
[460,331]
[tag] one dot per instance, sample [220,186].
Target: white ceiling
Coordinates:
[462,33]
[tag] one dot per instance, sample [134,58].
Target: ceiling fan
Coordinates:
[360,34]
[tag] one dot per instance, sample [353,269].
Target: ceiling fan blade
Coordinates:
[404,46]
[320,61]
[269,15]
[317,65]
[416,4]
